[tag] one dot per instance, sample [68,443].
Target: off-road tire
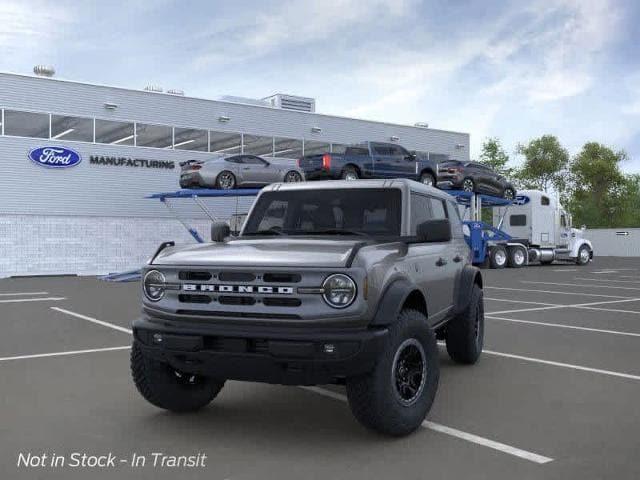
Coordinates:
[349,172]
[159,384]
[580,259]
[465,333]
[513,260]
[496,255]
[374,398]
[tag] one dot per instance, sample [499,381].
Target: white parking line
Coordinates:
[575,305]
[581,285]
[560,325]
[42,299]
[614,310]
[93,320]
[564,365]
[608,280]
[520,301]
[454,432]
[15,294]
[553,291]
[62,354]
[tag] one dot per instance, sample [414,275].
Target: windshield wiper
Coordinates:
[332,231]
[266,232]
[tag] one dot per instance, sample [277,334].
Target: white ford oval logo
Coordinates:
[55,157]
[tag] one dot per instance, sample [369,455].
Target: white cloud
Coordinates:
[28,26]
[295,23]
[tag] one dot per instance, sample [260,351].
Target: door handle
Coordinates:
[457,259]
[441,262]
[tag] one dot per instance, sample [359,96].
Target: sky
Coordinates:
[508,69]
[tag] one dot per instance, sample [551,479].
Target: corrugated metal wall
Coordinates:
[615,242]
[94,218]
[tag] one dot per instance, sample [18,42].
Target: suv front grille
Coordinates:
[266,316]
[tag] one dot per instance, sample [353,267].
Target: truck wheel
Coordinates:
[497,256]
[584,255]
[395,397]
[465,333]
[167,388]
[350,173]
[428,179]
[517,257]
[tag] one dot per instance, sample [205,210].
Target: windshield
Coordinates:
[352,211]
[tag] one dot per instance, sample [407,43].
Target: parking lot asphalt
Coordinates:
[556,393]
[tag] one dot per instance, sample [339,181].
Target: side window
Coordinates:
[397,151]
[251,160]
[518,220]
[354,151]
[233,159]
[420,211]
[437,209]
[381,150]
[456,221]
[544,201]
[563,220]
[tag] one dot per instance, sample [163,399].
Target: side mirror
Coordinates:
[434,231]
[219,231]
[410,157]
[583,228]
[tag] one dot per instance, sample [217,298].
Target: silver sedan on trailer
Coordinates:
[228,172]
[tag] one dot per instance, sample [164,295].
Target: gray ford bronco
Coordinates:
[328,282]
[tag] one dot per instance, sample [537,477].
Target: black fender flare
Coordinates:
[392,301]
[469,276]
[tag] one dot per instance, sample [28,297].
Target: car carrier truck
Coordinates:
[535,228]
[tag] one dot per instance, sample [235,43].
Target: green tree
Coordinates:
[494,156]
[601,194]
[545,163]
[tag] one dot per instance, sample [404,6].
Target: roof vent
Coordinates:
[292,102]
[176,91]
[421,125]
[153,88]
[44,70]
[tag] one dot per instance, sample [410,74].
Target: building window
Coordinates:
[287,148]
[114,133]
[312,147]
[26,124]
[71,128]
[190,139]
[157,136]
[257,145]
[225,142]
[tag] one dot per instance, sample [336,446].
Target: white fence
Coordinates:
[615,242]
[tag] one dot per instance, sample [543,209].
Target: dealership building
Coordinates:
[120,145]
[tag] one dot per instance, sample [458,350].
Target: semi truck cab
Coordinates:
[538,221]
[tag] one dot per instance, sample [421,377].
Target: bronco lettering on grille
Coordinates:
[192,287]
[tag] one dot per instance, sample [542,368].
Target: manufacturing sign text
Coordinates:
[55,157]
[131,162]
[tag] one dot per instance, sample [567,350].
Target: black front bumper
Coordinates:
[280,355]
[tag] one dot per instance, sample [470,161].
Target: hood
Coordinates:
[256,253]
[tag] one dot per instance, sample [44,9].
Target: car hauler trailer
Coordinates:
[533,228]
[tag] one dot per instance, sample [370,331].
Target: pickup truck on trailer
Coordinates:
[371,160]
[328,282]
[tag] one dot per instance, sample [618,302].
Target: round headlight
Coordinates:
[339,290]
[153,285]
